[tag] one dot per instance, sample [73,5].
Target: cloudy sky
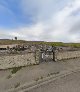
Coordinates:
[48,20]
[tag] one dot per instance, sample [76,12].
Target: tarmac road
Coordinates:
[70,83]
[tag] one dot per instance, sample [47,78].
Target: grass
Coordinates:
[15,69]
[8,42]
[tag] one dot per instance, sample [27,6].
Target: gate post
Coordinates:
[37,57]
[53,51]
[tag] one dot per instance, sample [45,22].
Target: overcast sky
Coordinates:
[47,20]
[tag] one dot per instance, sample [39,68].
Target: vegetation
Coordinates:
[15,38]
[8,42]
[15,69]
[62,44]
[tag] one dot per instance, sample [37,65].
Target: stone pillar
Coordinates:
[56,53]
[37,57]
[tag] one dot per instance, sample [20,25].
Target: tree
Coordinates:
[15,38]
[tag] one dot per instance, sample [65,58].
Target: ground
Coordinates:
[70,83]
[29,74]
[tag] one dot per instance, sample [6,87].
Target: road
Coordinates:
[70,83]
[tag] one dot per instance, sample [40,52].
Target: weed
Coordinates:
[15,69]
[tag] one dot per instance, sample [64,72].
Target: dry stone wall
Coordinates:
[67,55]
[32,58]
[9,61]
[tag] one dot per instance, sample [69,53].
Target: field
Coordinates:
[8,42]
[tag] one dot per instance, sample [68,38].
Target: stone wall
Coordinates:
[32,58]
[67,55]
[9,61]
[61,55]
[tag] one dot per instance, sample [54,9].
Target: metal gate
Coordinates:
[48,55]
